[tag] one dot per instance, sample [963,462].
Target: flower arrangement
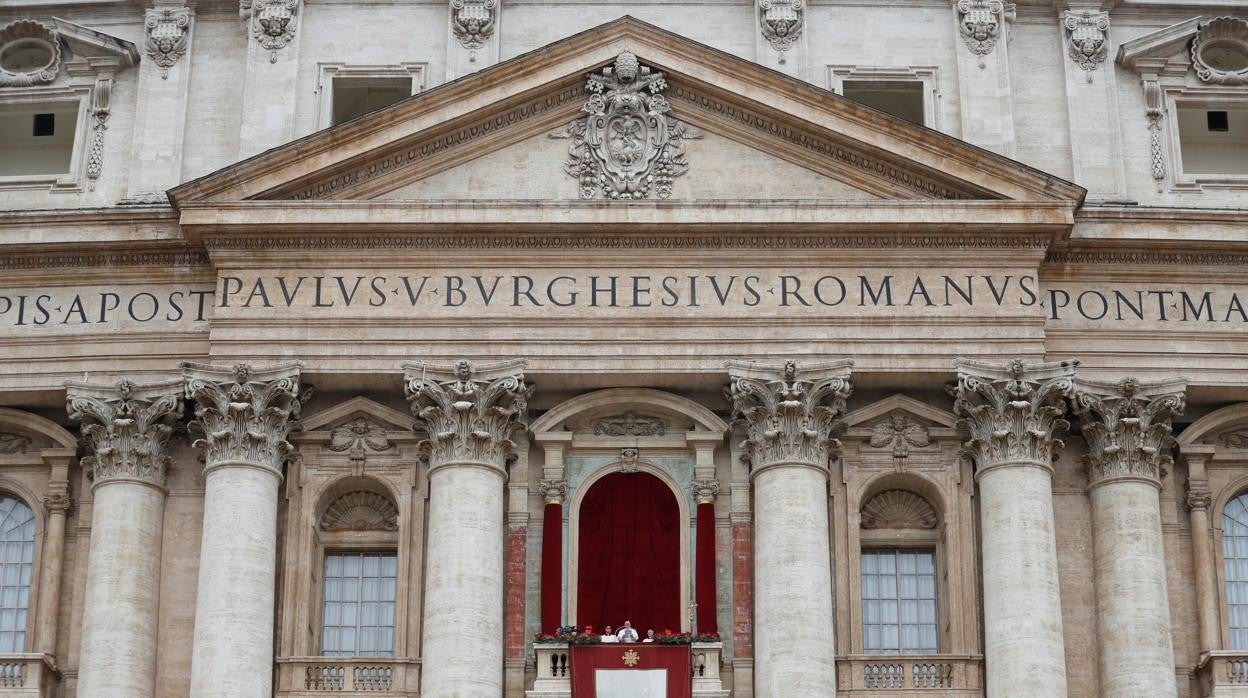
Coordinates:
[667,637]
[570,634]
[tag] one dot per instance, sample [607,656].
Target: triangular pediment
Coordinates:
[747,132]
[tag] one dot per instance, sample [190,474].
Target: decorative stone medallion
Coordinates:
[472,21]
[30,54]
[1087,33]
[168,30]
[1220,51]
[781,22]
[980,22]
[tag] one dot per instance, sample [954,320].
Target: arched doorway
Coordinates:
[629,554]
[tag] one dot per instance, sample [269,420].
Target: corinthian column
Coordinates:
[244,415]
[128,433]
[789,415]
[470,413]
[1012,412]
[1127,427]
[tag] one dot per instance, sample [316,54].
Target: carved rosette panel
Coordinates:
[781,22]
[168,32]
[790,414]
[273,22]
[1128,427]
[898,509]
[980,23]
[470,412]
[360,511]
[1012,411]
[126,427]
[553,491]
[626,146]
[29,33]
[244,413]
[1220,51]
[1087,34]
[899,432]
[472,21]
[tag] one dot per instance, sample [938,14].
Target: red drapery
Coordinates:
[708,622]
[586,659]
[629,554]
[552,567]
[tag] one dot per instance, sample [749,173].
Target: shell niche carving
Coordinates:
[898,509]
[361,511]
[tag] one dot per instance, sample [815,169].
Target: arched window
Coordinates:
[17,555]
[360,580]
[1235,558]
[899,540]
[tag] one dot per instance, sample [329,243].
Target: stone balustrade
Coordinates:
[303,677]
[891,675]
[28,674]
[1223,673]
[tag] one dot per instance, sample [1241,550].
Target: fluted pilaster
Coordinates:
[1012,412]
[790,416]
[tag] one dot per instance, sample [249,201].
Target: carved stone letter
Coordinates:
[1012,412]
[130,427]
[790,415]
[243,413]
[1128,427]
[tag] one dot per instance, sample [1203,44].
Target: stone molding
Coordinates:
[781,22]
[1087,36]
[553,491]
[982,23]
[1012,411]
[126,427]
[1127,426]
[168,30]
[472,21]
[790,413]
[470,412]
[244,413]
[188,258]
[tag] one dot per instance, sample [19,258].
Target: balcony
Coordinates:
[1223,674]
[878,675]
[306,677]
[30,674]
[554,672]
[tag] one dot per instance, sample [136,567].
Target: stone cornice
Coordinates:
[244,413]
[1127,426]
[129,429]
[790,412]
[186,257]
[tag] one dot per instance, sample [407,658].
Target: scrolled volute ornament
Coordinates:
[244,414]
[981,23]
[126,427]
[1087,34]
[790,413]
[470,412]
[1012,412]
[1128,427]
[168,32]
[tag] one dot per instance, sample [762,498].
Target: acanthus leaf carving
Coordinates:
[705,491]
[626,145]
[781,22]
[12,444]
[243,413]
[168,32]
[790,414]
[630,424]
[469,412]
[126,427]
[898,509]
[553,491]
[272,22]
[361,511]
[1011,412]
[1128,427]
[472,21]
[899,431]
[981,22]
[1087,33]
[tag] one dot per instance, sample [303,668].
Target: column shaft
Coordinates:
[123,591]
[50,580]
[704,573]
[552,568]
[1206,580]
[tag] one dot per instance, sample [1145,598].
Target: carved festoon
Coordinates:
[29,33]
[790,413]
[626,145]
[360,511]
[358,437]
[781,22]
[470,412]
[1234,439]
[244,413]
[1012,411]
[1087,36]
[705,491]
[898,509]
[553,491]
[11,444]
[1128,427]
[101,98]
[981,22]
[126,427]
[899,432]
[472,21]
[168,31]
[630,424]
[272,22]
[1220,51]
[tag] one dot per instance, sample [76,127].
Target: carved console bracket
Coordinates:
[168,32]
[1128,427]
[128,429]
[1087,37]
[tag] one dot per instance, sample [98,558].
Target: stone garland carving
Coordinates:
[472,22]
[781,22]
[27,33]
[128,427]
[1234,439]
[788,418]
[630,424]
[1155,110]
[101,95]
[898,509]
[358,437]
[553,491]
[168,32]
[12,444]
[980,23]
[245,413]
[705,491]
[1128,427]
[470,412]
[360,511]
[272,22]
[1088,35]
[626,145]
[1011,412]
[899,432]
[1228,35]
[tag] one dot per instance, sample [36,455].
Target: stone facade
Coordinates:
[1005,332]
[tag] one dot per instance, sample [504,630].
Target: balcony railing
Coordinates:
[29,674]
[554,672]
[1223,673]
[300,677]
[904,675]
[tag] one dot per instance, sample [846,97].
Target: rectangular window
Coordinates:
[899,601]
[356,96]
[1213,141]
[357,618]
[901,98]
[37,139]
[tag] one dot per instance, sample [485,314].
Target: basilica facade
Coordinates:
[854,349]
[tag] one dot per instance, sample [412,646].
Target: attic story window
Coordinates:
[37,139]
[355,97]
[900,98]
[1213,141]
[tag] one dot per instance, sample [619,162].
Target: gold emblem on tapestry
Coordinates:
[631,658]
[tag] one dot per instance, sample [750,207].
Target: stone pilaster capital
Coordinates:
[469,411]
[790,412]
[244,413]
[126,426]
[553,491]
[58,502]
[1011,411]
[705,491]
[1127,426]
[1198,499]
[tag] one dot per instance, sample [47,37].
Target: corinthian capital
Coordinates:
[790,413]
[244,413]
[1127,427]
[127,427]
[1012,411]
[469,411]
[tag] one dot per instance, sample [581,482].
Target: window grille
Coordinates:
[899,601]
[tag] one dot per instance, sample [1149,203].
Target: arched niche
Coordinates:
[658,415]
[23,432]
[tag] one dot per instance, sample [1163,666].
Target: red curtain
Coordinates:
[629,554]
[708,621]
[552,568]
